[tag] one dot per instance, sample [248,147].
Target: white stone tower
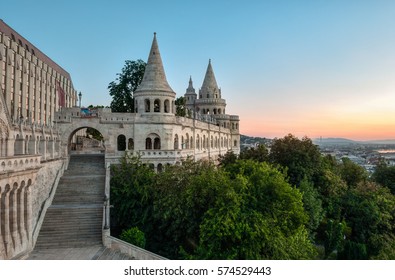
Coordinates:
[210,100]
[154,95]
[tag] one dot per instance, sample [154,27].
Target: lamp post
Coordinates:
[79,98]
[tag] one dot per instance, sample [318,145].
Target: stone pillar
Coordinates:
[32,146]
[43,148]
[21,215]
[51,148]
[27,145]
[5,218]
[106,208]
[10,147]
[2,248]
[28,213]
[14,217]
[19,146]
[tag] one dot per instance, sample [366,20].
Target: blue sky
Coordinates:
[315,68]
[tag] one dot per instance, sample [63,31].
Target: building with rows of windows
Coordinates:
[33,85]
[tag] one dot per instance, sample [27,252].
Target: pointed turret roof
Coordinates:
[154,76]
[209,82]
[190,88]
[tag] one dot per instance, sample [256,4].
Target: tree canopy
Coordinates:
[287,202]
[122,89]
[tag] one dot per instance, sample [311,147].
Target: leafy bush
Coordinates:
[134,236]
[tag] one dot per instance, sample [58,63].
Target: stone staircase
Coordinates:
[76,215]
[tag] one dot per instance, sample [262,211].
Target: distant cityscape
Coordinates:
[364,153]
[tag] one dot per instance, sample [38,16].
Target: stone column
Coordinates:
[2,248]
[5,218]
[106,207]
[14,216]
[43,148]
[21,215]
[28,213]
[32,146]
[20,146]
[10,147]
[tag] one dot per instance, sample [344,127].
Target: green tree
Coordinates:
[133,236]
[181,110]
[352,173]
[260,217]
[122,89]
[301,157]
[228,158]
[258,153]
[95,133]
[131,195]
[183,194]
[385,176]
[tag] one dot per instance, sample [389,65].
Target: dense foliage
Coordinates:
[289,203]
[121,90]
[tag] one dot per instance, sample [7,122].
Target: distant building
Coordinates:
[33,85]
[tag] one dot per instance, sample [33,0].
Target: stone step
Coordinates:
[111,254]
[75,218]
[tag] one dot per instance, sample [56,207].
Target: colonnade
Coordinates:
[16,218]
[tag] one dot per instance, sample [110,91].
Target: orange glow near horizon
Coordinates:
[355,129]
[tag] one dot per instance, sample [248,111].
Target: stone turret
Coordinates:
[190,96]
[154,95]
[210,101]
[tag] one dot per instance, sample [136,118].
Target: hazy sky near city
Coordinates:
[312,68]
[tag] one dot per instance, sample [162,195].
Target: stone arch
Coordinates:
[130,144]
[71,130]
[176,143]
[157,106]
[187,141]
[148,143]
[157,143]
[159,167]
[147,105]
[121,142]
[167,106]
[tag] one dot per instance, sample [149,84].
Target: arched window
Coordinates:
[197,142]
[215,111]
[167,106]
[191,142]
[160,168]
[176,147]
[121,142]
[152,166]
[130,144]
[235,143]
[147,104]
[182,143]
[157,143]
[187,141]
[148,143]
[157,106]
[219,111]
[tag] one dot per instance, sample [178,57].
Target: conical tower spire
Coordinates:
[190,88]
[154,76]
[210,88]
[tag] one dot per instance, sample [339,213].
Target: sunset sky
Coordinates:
[314,68]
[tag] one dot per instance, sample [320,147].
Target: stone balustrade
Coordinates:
[19,163]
